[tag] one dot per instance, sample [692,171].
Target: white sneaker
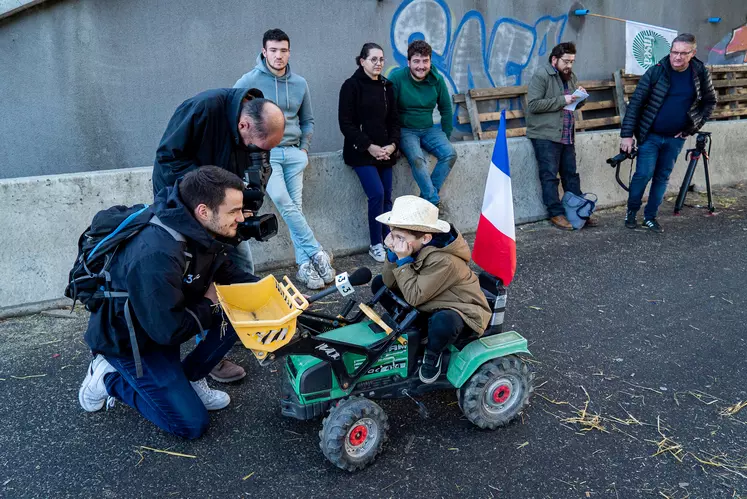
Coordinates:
[377,252]
[308,275]
[92,394]
[212,399]
[323,263]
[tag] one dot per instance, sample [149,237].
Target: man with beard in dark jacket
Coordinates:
[552,129]
[169,269]
[673,100]
[215,127]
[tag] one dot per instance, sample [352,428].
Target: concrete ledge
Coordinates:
[44,216]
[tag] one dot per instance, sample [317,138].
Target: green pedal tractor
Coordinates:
[336,365]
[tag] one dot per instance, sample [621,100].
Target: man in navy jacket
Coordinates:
[169,269]
[215,127]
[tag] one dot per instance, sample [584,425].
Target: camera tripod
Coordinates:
[695,154]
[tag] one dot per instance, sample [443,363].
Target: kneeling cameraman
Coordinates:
[169,269]
[674,99]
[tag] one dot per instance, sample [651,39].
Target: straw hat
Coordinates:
[414,213]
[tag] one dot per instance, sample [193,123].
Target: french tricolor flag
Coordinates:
[495,241]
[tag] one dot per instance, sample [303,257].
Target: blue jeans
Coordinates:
[434,141]
[285,188]
[553,158]
[656,158]
[377,183]
[163,394]
[241,256]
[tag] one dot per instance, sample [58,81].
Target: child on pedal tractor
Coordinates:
[427,264]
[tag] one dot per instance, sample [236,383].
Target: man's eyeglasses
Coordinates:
[568,62]
[680,54]
[375,60]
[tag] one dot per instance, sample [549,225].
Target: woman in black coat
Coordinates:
[370,123]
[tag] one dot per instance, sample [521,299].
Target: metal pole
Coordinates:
[711,208]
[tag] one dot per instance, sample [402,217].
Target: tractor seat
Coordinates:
[463,341]
[491,287]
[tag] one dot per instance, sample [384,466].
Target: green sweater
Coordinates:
[416,99]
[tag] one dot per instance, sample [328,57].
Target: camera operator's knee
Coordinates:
[192,424]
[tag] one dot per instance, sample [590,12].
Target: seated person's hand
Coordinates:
[388,241]
[211,294]
[399,245]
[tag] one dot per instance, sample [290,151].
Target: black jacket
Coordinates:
[649,95]
[151,268]
[368,115]
[202,131]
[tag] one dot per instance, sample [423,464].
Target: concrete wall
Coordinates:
[89,85]
[43,216]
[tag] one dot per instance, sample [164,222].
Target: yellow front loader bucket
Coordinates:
[263,313]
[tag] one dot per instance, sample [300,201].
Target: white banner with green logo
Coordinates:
[645,45]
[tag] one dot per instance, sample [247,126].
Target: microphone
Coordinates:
[344,284]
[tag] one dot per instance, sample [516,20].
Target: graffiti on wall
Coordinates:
[732,49]
[470,56]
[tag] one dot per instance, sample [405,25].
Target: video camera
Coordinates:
[256,175]
[615,161]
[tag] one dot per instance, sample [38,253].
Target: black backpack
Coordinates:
[89,281]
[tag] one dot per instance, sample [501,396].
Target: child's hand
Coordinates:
[388,241]
[401,247]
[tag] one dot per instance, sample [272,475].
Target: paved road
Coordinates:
[650,327]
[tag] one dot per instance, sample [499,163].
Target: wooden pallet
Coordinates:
[602,98]
[604,109]
[729,81]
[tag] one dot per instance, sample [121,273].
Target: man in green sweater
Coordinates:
[418,89]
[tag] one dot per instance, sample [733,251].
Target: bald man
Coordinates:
[209,128]
[212,128]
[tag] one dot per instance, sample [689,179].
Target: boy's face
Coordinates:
[405,243]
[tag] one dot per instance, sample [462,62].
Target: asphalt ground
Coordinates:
[638,343]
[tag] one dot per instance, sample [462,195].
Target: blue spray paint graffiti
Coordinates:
[468,59]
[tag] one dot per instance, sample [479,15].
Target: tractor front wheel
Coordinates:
[354,433]
[497,392]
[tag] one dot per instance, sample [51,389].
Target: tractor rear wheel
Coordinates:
[497,392]
[354,433]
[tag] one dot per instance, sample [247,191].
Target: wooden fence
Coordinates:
[603,110]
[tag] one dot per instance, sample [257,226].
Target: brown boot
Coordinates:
[561,222]
[227,372]
[592,222]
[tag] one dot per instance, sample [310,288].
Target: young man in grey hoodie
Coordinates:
[272,75]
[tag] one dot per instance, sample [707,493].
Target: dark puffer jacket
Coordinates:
[649,95]
[367,115]
[202,131]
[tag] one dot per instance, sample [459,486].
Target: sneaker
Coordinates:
[322,261]
[212,399]
[652,225]
[227,372]
[92,394]
[430,369]
[630,222]
[561,222]
[308,275]
[377,252]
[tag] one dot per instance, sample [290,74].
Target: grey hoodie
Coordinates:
[291,93]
